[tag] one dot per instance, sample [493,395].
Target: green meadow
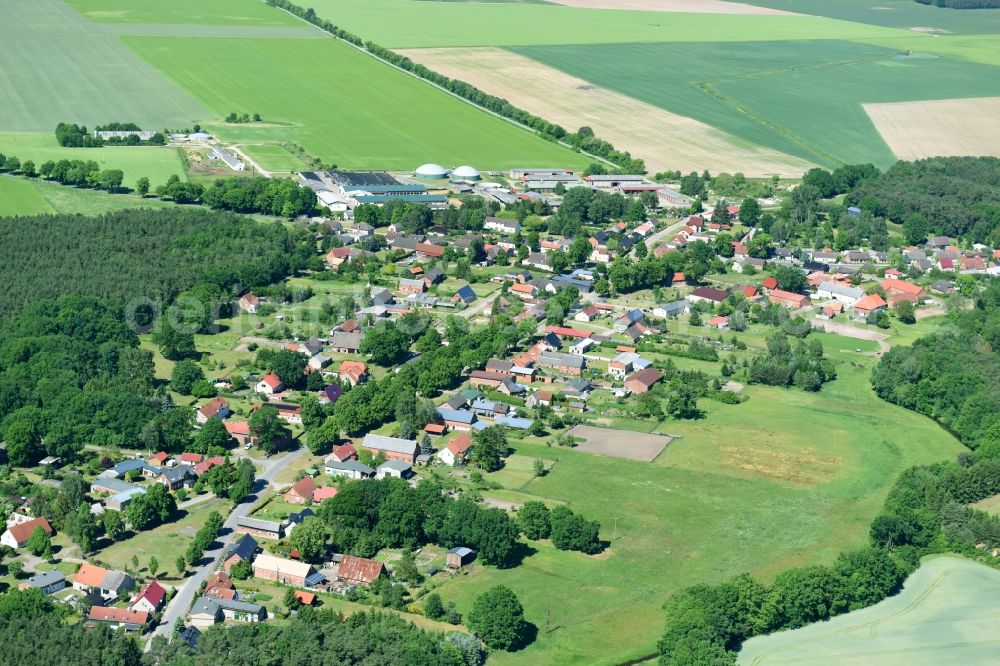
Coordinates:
[155,162]
[946,613]
[58,66]
[413,23]
[783,95]
[21,196]
[785,479]
[341,105]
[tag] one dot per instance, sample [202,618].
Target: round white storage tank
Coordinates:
[431,172]
[465,173]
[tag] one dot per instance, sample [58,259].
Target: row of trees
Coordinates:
[78,173]
[71,135]
[584,139]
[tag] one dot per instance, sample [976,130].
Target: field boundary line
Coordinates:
[511,121]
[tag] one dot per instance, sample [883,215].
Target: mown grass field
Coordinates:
[275,157]
[154,162]
[783,95]
[785,479]
[59,67]
[945,613]
[413,23]
[19,197]
[342,105]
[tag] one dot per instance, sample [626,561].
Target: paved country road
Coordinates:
[181,603]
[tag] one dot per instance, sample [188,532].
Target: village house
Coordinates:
[352,372]
[707,295]
[587,314]
[47,582]
[240,432]
[105,583]
[150,598]
[359,570]
[396,469]
[502,225]
[342,453]
[568,364]
[897,290]
[632,316]
[523,290]
[539,399]
[209,610]
[286,572]
[301,492]
[348,469]
[269,384]
[839,292]
[788,299]
[868,306]
[324,493]
[464,295]
[642,380]
[17,536]
[344,342]
[249,303]
[118,618]
[719,322]
[393,448]
[486,379]
[454,453]
[216,408]
[241,550]
[457,419]
[407,286]
[672,309]
[265,529]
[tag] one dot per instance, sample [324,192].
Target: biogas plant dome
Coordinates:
[431,172]
[465,173]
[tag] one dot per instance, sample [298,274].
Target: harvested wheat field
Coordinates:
[947,127]
[664,140]
[687,6]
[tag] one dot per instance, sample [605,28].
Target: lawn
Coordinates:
[165,542]
[945,613]
[154,162]
[785,479]
[19,197]
[219,12]
[342,105]
[783,95]
[411,23]
[59,67]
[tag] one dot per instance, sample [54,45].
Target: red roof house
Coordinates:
[301,492]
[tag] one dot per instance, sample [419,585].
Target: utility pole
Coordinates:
[548,620]
[615,536]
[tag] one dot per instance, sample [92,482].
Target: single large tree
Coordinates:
[497,617]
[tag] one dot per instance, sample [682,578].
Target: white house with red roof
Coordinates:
[269,384]
[249,303]
[150,599]
[216,408]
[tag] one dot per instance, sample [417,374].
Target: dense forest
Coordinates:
[953,196]
[311,637]
[953,377]
[136,254]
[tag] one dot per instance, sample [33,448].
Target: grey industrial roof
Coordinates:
[257,524]
[394,444]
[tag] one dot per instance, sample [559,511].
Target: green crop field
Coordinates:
[785,479]
[414,23]
[220,12]
[275,157]
[946,613]
[155,162]
[342,105]
[58,66]
[894,14]
[783,95]
[19,197]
